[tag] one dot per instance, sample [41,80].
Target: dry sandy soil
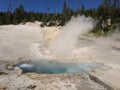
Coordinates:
[30,42]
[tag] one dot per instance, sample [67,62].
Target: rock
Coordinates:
[3,73]
[3,86]
[31,87]
[33,75]
[18,71]
[9,66]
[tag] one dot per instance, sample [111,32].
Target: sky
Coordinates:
[54,5]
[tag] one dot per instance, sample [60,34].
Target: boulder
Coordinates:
[3,86]
[9,66]
[18,71]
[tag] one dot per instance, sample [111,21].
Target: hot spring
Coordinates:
[54,67]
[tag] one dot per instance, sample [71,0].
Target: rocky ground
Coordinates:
[16,80]
[19,43]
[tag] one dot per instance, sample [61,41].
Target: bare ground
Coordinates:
[17,46]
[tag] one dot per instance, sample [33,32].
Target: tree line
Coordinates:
[20,15]
[109,9]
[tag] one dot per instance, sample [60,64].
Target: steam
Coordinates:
[67,40]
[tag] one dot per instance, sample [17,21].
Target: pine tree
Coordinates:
[9,14]
[19,15]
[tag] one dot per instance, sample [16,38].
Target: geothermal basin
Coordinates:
[54,67]
[58,50]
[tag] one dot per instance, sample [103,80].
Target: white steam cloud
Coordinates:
[67,40]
